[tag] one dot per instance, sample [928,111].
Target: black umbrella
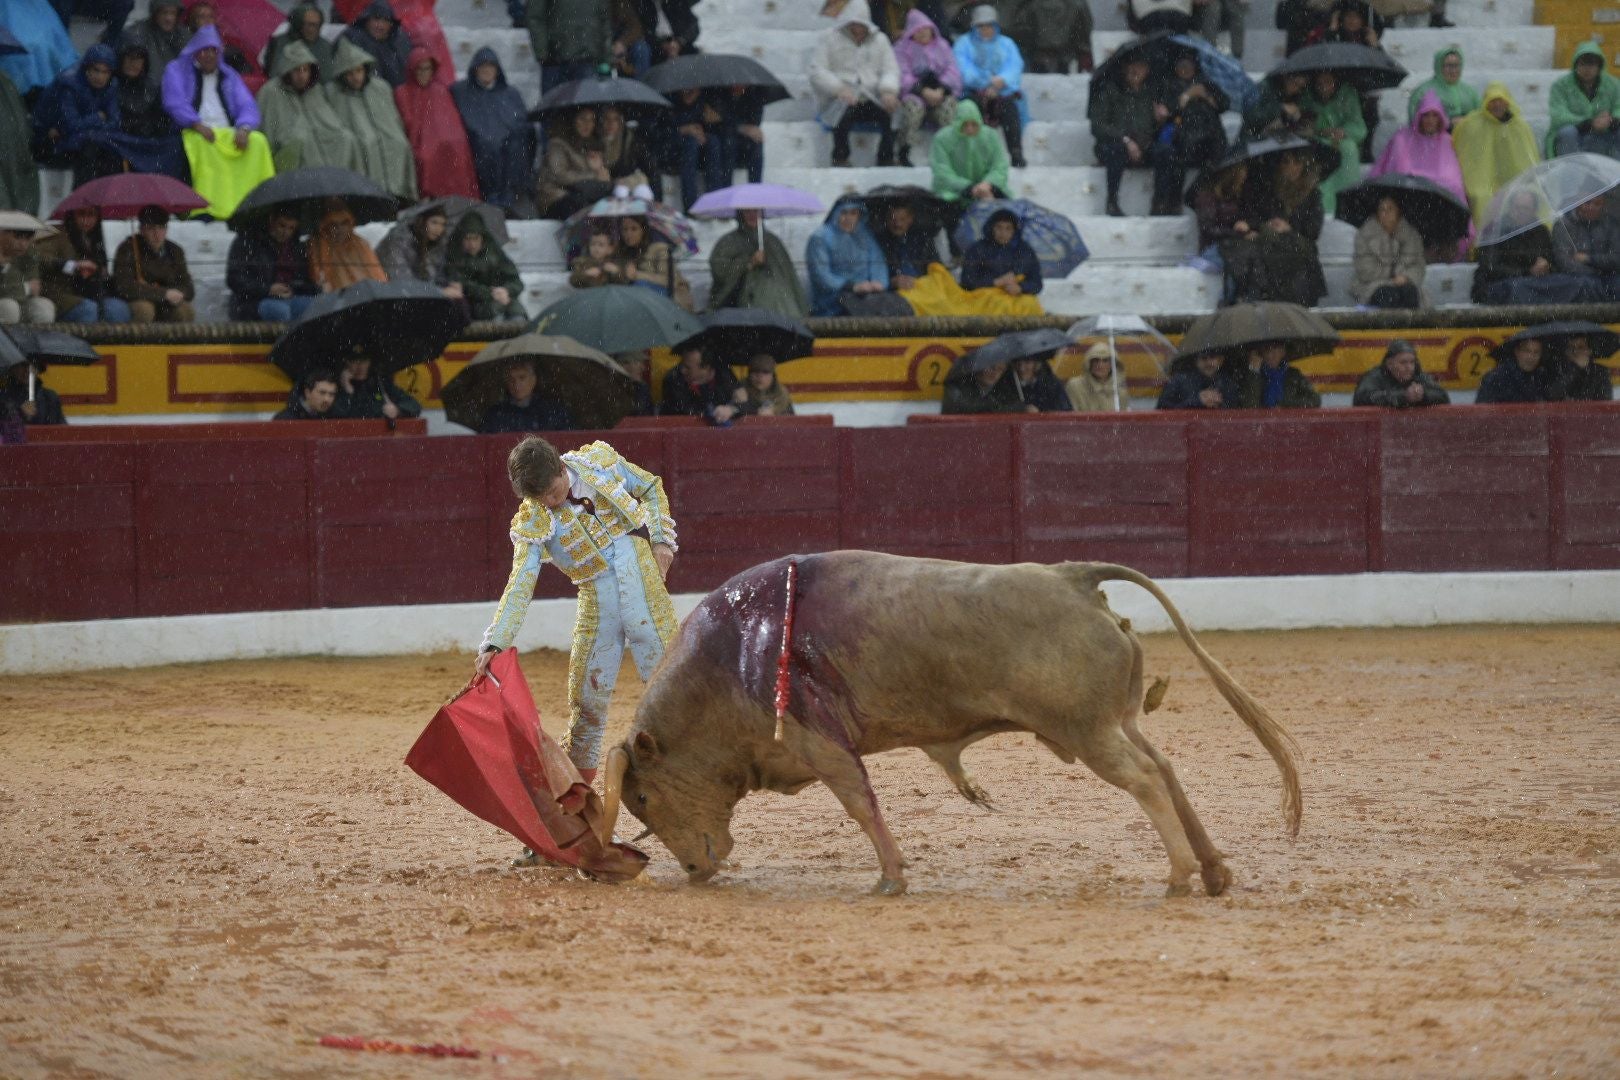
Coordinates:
[1604,342]
[395,323]
[736,335]
[1261,150]
[618,319]
[455,208]
[928,207]
[1245,325]
[1010,347]
[1437,214]
[596,92]
[596,391]
[9,45]
[46,347]
[305,192]
[1368,68]
[10,354]
[705,70]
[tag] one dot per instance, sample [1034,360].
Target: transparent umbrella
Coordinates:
[1140,351]
[1544,193]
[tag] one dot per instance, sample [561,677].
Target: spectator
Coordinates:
[573,174]
[1494,144]
[304,24]
[747,275]
[91,133]
[857,81]
[151,142]
[1278,110]
[150,273]
[312,398]
[628,157]
[649,263]
[697,387]
[631,49]
[1153,16]
[598,265]
[415,250]
[267,269]
[298,119]
[569,38]
[1588,246]
[765,392]
[1037,387]
[992,74]
[985,391]
[1457,98]
[1271,382]
[1523,268]
[19,175]
[1582,106]
[1335,111]
[929,80]
[21,299]
[636,365]
[76,275]
[688,146]
[1584,379]
[444,161]
[487,277]
[1233,13]
[742,139]
[379,33]
[1399,382]
[1218,207]
[1051,33]
[47,48]
[1001,259]
[45,408]
[498,132]
[1423,148]
[365,106]
[365,395]
[1389,264]
[1273,254]
[523,409]
[1353,23]
[1303,22]
[1125,123]
[162,34]
[209,101]
[907,250]
[1524,379]
[338,257]
[1093,390]
[969,163]
[1191,105]
[844,259]
[1199,382]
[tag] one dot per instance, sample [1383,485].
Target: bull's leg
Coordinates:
[1119,761]
[1212,868]
[844,773]
[949,757]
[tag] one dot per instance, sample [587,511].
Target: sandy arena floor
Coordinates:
[204,868]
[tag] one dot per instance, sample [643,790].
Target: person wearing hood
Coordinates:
[267,271]
[1095,389]
[1334,107]
[992,75]
[569,38]
[844,258]
[76,274]
[304,24]
[498,132]
[1588,246]
[444,160]
[1423,148]
[152,142]
[929,80]
[298,119]
[1523,269]
[1582,107]
[379,33]
[988,390]
[338,256]
[1494,144]
[1001,259]
[908,251]
[486,275]
[219,122]
[1269,381]
[1524,378]
[1457,98]
[969,162]
[1199,382]
[19,175]
[1038,387]
[91,131]
[1583,378]
[1389,265]
[365,394]
[744,274]
[364,104]
[47,48]
[857,81]
[766,394]
[150,272]
[1399,382]
[163,34]
[1051,34]
[312,398]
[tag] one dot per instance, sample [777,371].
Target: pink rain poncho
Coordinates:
[1429,156]
[915,58]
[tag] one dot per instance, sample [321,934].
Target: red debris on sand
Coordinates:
[388,1046]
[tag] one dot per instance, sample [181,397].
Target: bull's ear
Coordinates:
[644,747]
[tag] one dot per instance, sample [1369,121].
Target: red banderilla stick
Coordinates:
[782,669]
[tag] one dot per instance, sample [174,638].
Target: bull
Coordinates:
[886,652]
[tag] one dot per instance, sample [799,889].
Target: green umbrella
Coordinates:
[1244,325]
[618,319]
[595,389]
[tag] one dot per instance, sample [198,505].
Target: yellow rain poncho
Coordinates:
[937,293]
[1492,151]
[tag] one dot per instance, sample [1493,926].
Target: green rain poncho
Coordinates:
[1568,105]
[370,114]
[1342,110]
[19,176]
[1457,98]
[479,275]
[320,47]
[959,161]
[301,126]
[735,283]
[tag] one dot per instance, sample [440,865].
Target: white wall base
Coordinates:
[1253,603]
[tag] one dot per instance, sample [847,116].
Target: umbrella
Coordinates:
[486,750]
[1222,70]
[735,335]
[1009,347]
[455,208]
[1242,325]
[1262,150]
[705,70]
[395,323]
[773,200]
[1056,241]
[305,192]
[122,195]
[1604,342]
[11,353]
[1130,339]
[596,390]
[1545,192]
[664,222]
[597,91]
[618,319]
[928,208]
[9,45]
[1368,68]
[1437,214]
[46,347]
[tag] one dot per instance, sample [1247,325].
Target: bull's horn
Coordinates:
[612,791]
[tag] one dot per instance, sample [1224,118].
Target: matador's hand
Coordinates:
[665,555]
[481,665]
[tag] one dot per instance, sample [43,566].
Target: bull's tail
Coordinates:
[1272,735]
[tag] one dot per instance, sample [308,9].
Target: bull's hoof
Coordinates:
[889,887]
[1177,888]
[1217,878]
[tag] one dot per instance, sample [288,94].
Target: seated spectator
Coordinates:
[365,106]
[1399,382]
[1582,106]
[19,175]
[1354,22]
[636,365]
[209,101]
[573,173]
[1523,380]
[1191,105]
[647,262]
[338,256]
[929,80]
[1588,246]
[1217,206]
[163,34]
[523,409]
[698,387]
[1093,390]
[1335,111]
[1199,382]
[1523,269]
[1584,379]
[1001,259]
[1423,148]
[297,118]
[498,131]
[628,157]
[1494,144]
[1269,381]
[631,46]
[1053,33]
[21,288]
[75,273]
[45,408]
[1389,264]
[992,74]
[985,391]
[304,24]
[969,162]
[150,273]
[907,250]
[1273,254]
[766,394]
[570,39]
[599,265]
[1278,110]
[1303,22]
[444,161]
[1037,387]
[415,250]
[312,398]
[1153,16]
[844,259]
[486,275]
[1457,98]
[692,149]
[742,139]
[366,395]
[379,33]
[151,141]
[91,132]
[744,274]
[1125,121]
[856,80]
[267,270]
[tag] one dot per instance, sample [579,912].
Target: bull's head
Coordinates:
[678,797]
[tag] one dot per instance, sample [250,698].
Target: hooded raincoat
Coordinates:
[1342,111]
[1378,387]
[36,25]
[836,63]
[1491,152]
[959,161]
[1568,103]
[320,48]
[444,161]
[1429,156]
[840,260]
[987,260]
[370,114]
[980,61]
[392,52]
[19,176]
[161,46]
[1457,98]
[498,132]
[338,257]
[479,275]
[737,283]
[220,172]
[927,64]
[300,124]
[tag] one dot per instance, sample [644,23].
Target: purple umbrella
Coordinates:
[773,200]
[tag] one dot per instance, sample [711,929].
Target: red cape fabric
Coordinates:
[444,163]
